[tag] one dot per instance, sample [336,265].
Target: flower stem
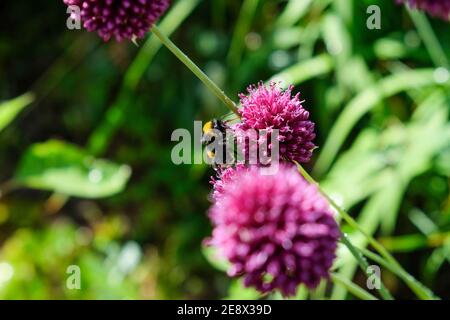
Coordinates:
[422,292]
[418,288]
[195,69]
[364,265]
[352,288]
[349,219]
[429,38]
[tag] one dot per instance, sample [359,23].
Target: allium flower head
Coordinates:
[277,231]
[268,108]
[122,19]
[223,177]
[438,8]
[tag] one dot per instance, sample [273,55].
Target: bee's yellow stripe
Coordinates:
[207,127]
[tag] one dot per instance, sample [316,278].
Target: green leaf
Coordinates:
[65,168]
[10,109]
[414,242]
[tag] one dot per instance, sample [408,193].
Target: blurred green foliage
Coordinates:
[134,223]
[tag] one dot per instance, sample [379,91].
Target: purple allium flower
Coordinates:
[122,19]
[268,108]
[438,8]
[277,231]
[223,177]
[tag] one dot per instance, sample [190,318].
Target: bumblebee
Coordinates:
[214,135]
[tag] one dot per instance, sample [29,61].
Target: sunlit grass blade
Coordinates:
[354,289]
[246,15]
[363,103]
[304,70]
[368,220]
[429,38]
[10,109]
[364,265]
[293,12]
[418,288]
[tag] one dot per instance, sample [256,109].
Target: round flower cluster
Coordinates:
[266,108]
[438,8]
[224,176]
[277,231]
[121,19]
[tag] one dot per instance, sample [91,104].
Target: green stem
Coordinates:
[429,38]
[352,222]
[364,265]
[352,288]
[418,288]
[375,244]
[304,70]
[196,70]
